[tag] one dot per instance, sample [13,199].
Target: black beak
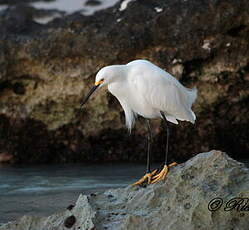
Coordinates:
[89,94]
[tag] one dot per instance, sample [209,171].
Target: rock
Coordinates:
[80,216]
[47,69]
[93,3]
[6,157]
[182,200]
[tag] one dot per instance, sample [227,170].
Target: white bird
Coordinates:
[144,89]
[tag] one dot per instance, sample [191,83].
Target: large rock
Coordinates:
[47,69]
[182,201]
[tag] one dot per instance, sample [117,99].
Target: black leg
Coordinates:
[149,138]
[167,140]
[147,178]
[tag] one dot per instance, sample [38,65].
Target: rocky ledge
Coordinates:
[47,69]
[191,198]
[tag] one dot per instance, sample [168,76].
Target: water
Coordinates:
[43,190]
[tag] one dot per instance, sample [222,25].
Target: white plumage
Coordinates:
[143,88]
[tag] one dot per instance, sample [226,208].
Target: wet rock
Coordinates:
[70,207]
[70,221]
[6,157]
[190,197]
[53,66]
[80,217]
[93,3]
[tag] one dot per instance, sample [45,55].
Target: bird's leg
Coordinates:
[165,169]
[149,139]
[148,176]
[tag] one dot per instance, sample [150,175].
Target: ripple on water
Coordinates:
[65,178]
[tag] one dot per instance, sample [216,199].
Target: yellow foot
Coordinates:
[163,173]
[146,178]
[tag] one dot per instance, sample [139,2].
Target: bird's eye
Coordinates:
[99,82]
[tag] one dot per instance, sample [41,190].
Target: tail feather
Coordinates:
[171,119]
[188,97]
[192,95]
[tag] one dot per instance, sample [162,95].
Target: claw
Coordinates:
[163,173]
[147,177]
[172,164]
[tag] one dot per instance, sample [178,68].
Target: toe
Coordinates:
[172,164]
[146,178]
[161,175]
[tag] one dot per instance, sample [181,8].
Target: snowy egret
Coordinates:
[144,89]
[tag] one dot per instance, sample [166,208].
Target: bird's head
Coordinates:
[105,76]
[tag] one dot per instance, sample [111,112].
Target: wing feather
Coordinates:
[164,92]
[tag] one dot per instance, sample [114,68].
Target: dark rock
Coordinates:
[70,207]
[5,157]
[204,43]
[93,3]
[70,221]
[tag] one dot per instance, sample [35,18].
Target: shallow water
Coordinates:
[43,190]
